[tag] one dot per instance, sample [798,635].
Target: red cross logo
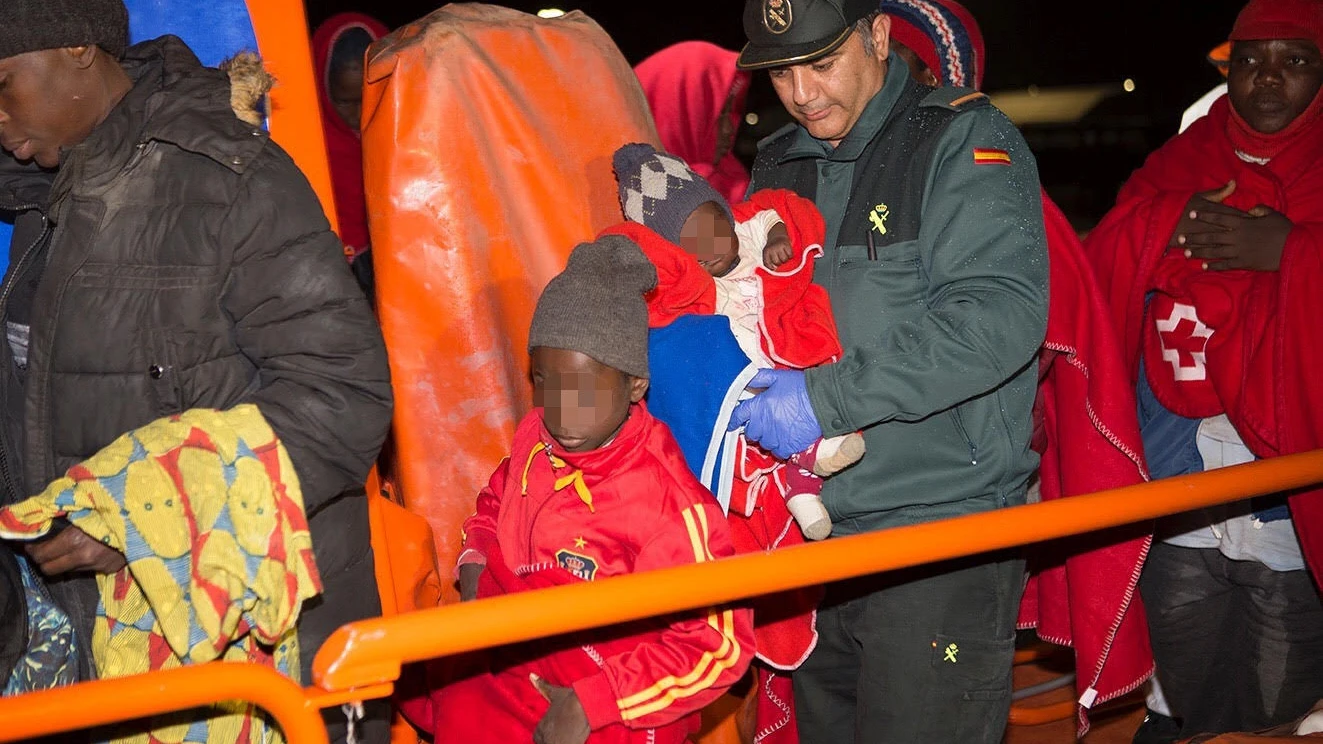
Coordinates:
[1184,337]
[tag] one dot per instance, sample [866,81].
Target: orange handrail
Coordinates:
[360,660]
[129,698]
[371,651]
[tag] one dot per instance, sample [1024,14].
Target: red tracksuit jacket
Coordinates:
[632,505]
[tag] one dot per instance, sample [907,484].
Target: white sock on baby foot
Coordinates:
[838,453]
[810,515]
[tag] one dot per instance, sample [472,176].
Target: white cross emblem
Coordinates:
[1184,337]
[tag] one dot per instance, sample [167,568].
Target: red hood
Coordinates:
[323,40]
[687,86]
[343,149]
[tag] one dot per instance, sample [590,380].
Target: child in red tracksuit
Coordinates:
[594,487]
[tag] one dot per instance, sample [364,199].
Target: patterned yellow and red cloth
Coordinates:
[207,509]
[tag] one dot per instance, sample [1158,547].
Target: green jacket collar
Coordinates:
[870,121]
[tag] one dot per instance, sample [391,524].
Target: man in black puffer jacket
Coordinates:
[167,256]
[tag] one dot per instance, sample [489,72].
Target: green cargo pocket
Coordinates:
[971,695]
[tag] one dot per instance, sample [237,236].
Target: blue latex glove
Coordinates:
[781,417]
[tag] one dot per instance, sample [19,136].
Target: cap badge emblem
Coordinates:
[777,16]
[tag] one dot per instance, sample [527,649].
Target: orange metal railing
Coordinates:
[363,659]
[371,651]
[109,701]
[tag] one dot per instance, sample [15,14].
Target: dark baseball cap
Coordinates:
[790,32]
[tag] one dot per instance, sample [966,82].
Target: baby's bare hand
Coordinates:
[777,252]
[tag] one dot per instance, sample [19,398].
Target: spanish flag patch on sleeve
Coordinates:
[991,156]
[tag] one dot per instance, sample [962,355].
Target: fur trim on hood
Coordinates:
[249,85]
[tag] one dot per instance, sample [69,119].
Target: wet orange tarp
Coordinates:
[487,143]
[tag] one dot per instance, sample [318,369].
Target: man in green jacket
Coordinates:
[936,264]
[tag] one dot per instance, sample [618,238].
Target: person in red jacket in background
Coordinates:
[594,487]
[1085,425]
[697,98]
[338,46]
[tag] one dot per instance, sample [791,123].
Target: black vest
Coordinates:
[896,161]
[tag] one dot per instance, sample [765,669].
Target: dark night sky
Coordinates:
[1160,44]
[1043,42]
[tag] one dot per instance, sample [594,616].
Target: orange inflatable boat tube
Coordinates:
[487,138]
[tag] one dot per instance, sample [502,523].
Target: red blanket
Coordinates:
[784,624]
[1235,342]
[799,330]
[1089,441]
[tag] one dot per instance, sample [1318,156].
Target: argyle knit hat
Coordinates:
[944,34]
[595,306]
[658,190]
[34,25]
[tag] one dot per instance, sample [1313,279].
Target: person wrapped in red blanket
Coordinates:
[594,487]
[757,270]
[339,46]
[697,98]
[1210,261]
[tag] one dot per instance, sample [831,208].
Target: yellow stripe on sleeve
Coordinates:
[705,674]
[711,664]
[697,539]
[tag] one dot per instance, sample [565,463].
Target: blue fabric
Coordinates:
[1170,441]
[697,369]
[214,29]
[1171,448]
[51,658]
[1271,508]
[6,237]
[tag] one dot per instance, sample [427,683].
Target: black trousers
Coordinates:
[918,656]
[349,593]
[1238,646]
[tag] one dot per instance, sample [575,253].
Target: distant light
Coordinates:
[751,119]
[550,13]
[1128,85]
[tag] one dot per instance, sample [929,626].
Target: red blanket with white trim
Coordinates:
[1235,342]
[1089,441]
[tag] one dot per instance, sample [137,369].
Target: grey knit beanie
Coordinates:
[34,25]
[595,306]
[659,191]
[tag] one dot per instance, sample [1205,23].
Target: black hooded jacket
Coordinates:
[185,262]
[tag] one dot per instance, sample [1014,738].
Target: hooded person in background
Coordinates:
[697,99]
[939,40]
[174,258]
[338,47]
[1211,263]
